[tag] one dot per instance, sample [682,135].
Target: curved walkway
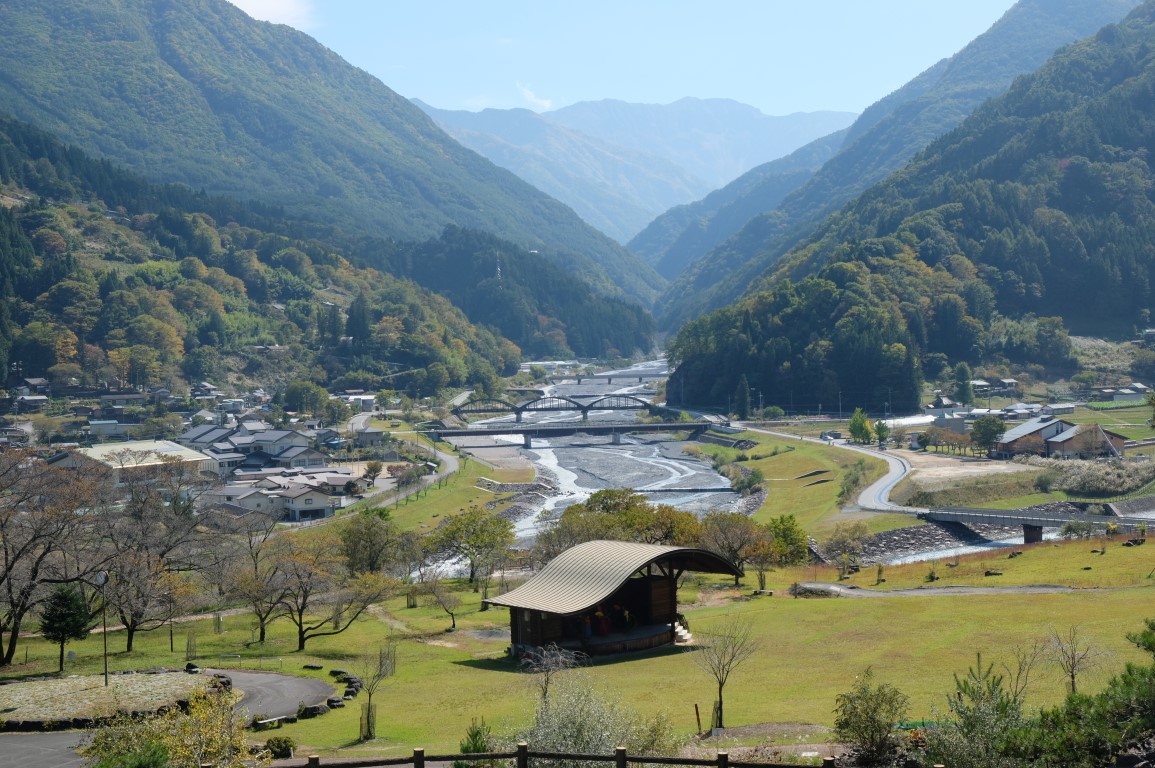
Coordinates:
[269,694]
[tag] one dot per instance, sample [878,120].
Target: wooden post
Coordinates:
[828,761]
[620,758]
[314,760]
[418,757]
[522,755]
[723,759]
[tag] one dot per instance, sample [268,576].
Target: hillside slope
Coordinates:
[883,138]
[1035,215]
[197,92]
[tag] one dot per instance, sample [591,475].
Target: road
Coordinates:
[876,496]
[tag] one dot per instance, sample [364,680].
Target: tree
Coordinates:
[374,669]
[65,616]
[742,398]
[1073,653]
[867,715]
[478,739]
[986,431]
[984,716]
[445,597]
[729,534]
[881,431]
[859,427]
[481,537]
[369,541]
[964,390]
[258,579]
[547,662]
[45,537]
[847,539]
[373,470]
[316,575]
[722,650]
[156,541]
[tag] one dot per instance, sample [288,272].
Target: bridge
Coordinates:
[609,377]
[553,403]
[1032,521]
[543,431]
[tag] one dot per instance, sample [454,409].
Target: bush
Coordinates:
[867,717]
[281,747]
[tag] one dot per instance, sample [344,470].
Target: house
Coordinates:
[104,428]
[605,597]
[1022,411]
[941,406]
[123,399]
[136,455]
[369,437]
[1057,409]
[37,385]
[1085,441]
[1128,395]
[1030,437]
[29,403]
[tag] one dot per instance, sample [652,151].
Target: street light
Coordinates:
[101,580]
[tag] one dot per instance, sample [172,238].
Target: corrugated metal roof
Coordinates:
[587,574]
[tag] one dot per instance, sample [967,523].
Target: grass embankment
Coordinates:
[1005,490]
[810,650]
[804,479]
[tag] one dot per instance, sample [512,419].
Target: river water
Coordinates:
[581,465]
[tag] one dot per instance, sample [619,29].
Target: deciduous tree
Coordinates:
[720,651]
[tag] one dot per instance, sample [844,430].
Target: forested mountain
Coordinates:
[615,189]
[716,140]
[104,277]
[882,139]
[673,240]
[196,92]
[1037,213]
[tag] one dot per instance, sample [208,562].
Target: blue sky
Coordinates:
[780,56]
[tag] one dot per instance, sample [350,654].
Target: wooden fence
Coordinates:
[523,757]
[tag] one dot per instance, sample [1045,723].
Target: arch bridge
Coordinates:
[553,403]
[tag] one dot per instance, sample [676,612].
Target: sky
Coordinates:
[781,56]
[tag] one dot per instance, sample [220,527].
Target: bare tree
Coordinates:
[1024,659]
[46,537]
[374,669]
[547,662]
[721,651]
[257,577]
[1073,653]
[729,534]
[445,597]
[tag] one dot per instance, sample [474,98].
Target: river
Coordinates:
[581,465]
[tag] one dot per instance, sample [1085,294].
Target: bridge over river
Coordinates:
[1033,521]
[543,431]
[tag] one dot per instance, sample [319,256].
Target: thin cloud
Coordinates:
[533,99]
[295,13]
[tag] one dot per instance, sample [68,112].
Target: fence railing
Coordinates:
[523,757]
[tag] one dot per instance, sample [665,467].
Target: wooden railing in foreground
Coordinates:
[523,757]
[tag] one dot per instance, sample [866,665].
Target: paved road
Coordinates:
[266,693]
[849,590]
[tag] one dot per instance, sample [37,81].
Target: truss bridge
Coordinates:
[553,403]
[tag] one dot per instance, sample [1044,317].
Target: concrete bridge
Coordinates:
[609,377]
[543,431]
[554,403]
[1032,521]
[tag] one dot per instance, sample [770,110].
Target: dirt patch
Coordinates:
[87,696]
[438,643]
[932,467]
[778,741]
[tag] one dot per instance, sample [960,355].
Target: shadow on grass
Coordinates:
[509,664]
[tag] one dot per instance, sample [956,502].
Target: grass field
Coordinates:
[810,649]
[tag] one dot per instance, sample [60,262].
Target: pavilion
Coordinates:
[605,597]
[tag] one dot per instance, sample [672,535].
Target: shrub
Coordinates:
[281,747]
[867,717]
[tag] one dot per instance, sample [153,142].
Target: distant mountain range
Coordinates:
[619,165]
[197,92]
[886,135]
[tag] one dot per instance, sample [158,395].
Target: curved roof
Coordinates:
[587,574]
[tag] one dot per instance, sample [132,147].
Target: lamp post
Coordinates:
[101,580]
